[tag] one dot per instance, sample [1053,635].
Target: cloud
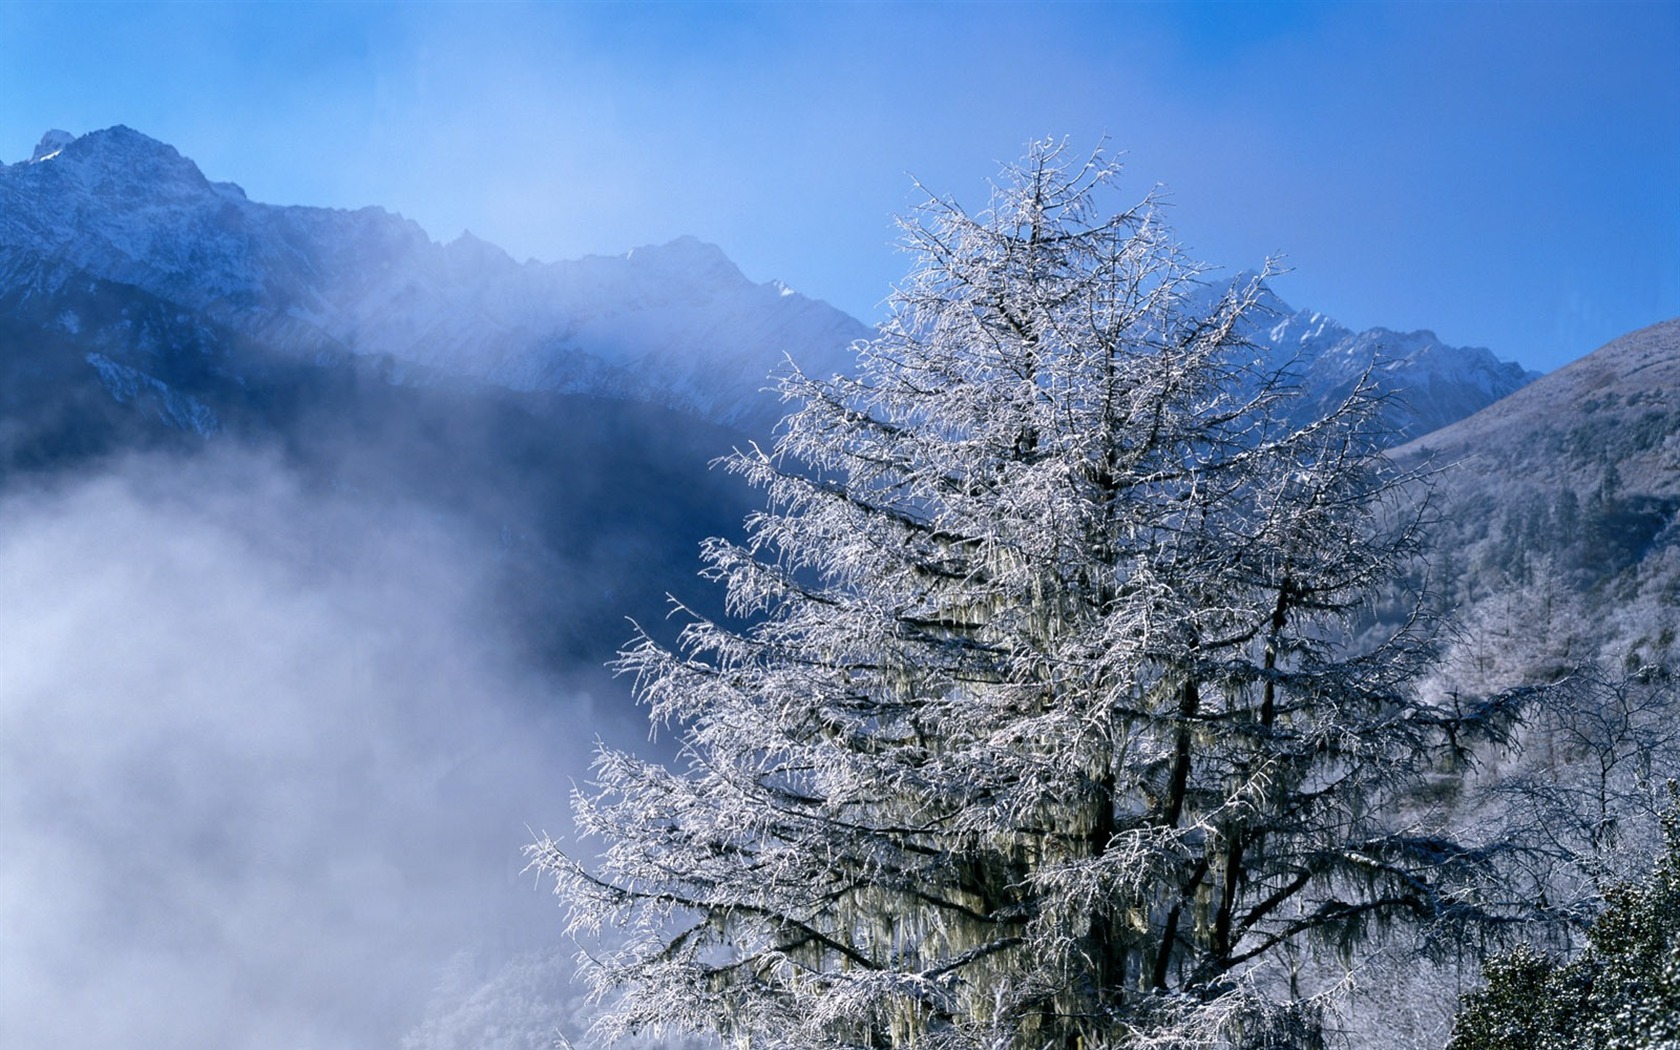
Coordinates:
[265,763]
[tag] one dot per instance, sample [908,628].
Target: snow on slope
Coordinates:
[1619,405]
[1435,384]
[677,324]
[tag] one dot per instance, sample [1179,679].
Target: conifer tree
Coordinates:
[1621,993]
[1035,722]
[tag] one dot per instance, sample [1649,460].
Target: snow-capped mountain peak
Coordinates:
[1434,384]
[119,154]
[51,145]
[676,323]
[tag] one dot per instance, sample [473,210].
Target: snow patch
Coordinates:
[51,145]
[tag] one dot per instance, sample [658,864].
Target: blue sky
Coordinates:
[1505,174]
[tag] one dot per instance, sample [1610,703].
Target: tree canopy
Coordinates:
[1037,719]
[1621,993]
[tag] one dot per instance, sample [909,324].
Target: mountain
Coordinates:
[1560,503]
[1432,384]
[117,242]
[676,324]
[144,306]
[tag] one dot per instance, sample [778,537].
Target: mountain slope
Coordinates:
[1563,501]
[1619,405]
[1432,384]
[676,324]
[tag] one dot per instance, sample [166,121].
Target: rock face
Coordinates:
[676,324]
[1432,384]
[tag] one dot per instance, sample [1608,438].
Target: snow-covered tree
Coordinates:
[1586,789]
[1035,723]
[1621,993]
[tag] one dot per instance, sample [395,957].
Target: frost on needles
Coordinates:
[1036,720]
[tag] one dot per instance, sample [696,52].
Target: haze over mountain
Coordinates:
[120,261]
[675,324]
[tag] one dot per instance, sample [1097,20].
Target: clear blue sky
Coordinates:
[1506,174]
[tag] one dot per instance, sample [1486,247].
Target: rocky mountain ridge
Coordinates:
[676,324]
[1433,384]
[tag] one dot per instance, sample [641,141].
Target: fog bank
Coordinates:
[266,765]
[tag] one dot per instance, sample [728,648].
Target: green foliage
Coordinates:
[1621,993]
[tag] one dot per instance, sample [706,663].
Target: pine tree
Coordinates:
[1621,993]
[1036,723]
